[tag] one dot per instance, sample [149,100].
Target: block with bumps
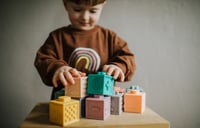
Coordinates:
[98,107]
[64,111]
[78,89]
[134,101]
[116,103]
[134,87]
[82,105]
[59,93]
[100,84]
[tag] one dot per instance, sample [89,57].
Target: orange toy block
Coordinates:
[64,111]
[134,101]
[77,90]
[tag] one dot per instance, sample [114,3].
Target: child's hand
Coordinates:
[115,71]
[65,75]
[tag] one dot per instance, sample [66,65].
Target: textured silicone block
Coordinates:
[100,84]
[116,104]
[59,93]
[82,105]
[64,111]
[134,87]
[134,101]
[78,89]
[98,107]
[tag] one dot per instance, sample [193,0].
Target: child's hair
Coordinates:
[87,2]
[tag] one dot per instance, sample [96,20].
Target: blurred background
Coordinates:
[164,35]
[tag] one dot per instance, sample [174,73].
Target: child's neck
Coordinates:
[82,30]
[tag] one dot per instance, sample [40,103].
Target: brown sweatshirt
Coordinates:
[60,49]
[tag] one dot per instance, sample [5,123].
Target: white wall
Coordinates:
[163,34]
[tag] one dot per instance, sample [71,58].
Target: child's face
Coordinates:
[83,17]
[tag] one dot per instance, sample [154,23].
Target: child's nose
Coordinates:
[85,15]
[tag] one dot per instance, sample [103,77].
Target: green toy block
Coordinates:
[59,93]
[100,84]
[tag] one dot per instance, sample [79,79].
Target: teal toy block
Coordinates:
[59,93]
[100,84]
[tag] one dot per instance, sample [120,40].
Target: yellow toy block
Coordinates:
[134,101]
[64,111]
[77,90]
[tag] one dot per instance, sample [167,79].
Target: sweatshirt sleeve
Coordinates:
[122,57]
[49,58]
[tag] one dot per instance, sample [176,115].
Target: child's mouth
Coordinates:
[84,24]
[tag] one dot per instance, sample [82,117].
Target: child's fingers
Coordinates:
[74,72]
[116,74]
[121,77]
[62,78]
[109,69]
[54,81]
[82,74]
[115,71]
[105,68]
[69,77]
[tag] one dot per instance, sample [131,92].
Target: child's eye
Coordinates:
[77,9]
[93,11]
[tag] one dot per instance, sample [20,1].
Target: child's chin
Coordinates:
[85,28]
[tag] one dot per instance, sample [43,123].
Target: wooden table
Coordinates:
[39,118]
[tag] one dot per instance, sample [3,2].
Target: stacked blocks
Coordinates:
[116,103]
[100,84]
[134,101]
[98,107]
[93,97]
[64,111]
[77,90]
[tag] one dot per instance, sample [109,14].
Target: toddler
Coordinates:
[83,47]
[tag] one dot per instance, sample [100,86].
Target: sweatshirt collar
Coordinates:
[82,32]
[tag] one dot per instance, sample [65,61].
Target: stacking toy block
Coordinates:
[98,107]
[64,111]
[82,105]
[59,93]
[116,103]
[100,84]
[134,101]
[78,89]
[134,87]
